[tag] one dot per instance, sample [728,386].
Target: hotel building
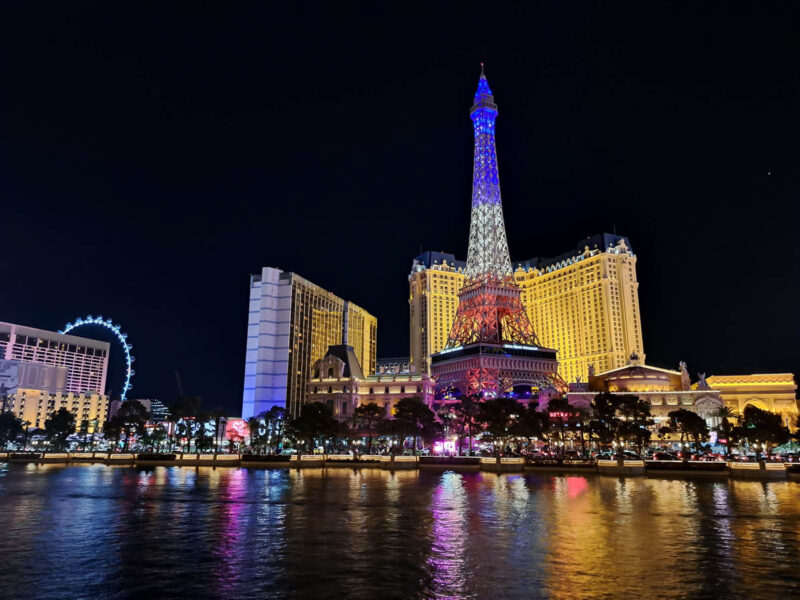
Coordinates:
[666,390]
[775,392]
[339,382]
[583,303]
[291,324]
[85,360]
[33,392]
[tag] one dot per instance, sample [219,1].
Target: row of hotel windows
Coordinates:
[22,340]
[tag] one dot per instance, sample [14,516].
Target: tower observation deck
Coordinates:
[492,349]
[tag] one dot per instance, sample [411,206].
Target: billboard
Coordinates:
[9,377]
[15,374]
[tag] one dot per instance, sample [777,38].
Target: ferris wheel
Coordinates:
[120,335]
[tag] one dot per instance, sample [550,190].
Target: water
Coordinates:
[114,532]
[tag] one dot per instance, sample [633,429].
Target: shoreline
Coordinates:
[638,468]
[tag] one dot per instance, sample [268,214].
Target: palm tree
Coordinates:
[414,419]
[725,429]
[466,411]
[216,414]
[253,426]
[367,417]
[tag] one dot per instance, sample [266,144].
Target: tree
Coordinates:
[727,430]
[532,423]
[217,414]
[466,411]
[315,421]
[391,429]
[762,426]
[254,425]
[156,437]
[690,426]
[414,418]
[636,421]
[113,431]
[10,428]
[133,415]
[59,427]
[368,416]
[605,422]
[186,410]
[581,423]
[275,419]
[620,418]
[559,412]
[796,434]
[498,416]
[204,439]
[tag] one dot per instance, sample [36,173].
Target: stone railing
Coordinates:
[506,463]
[399,462]
[757,470]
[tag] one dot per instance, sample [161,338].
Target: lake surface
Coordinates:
[171,532]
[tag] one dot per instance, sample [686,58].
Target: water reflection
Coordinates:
[448,557]
[94,531]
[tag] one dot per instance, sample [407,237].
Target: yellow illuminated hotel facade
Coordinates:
[584,303]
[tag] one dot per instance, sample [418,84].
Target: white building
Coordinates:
[85,360]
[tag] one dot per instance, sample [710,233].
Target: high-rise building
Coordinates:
[584,303]
[492,348]
[86,360]
[292,323]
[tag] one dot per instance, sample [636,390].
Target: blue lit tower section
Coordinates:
[488,246]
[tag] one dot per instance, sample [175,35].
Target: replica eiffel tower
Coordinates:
[492,349]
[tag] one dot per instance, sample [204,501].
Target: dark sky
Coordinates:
[152,157]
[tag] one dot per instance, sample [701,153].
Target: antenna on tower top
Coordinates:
[482,75]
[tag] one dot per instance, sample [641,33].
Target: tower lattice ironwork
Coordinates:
[490,309]
[492,346]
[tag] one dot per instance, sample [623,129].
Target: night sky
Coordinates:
[152,157]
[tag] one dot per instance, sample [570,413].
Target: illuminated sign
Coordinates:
[562,415]
[520,347]
[451,350]
[444,446]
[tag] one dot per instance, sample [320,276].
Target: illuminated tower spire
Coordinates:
[488,247]
[492,348]
[490,309]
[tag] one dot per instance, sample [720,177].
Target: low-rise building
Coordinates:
[157,410]
[775,392]
[666,390]
[339,382]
